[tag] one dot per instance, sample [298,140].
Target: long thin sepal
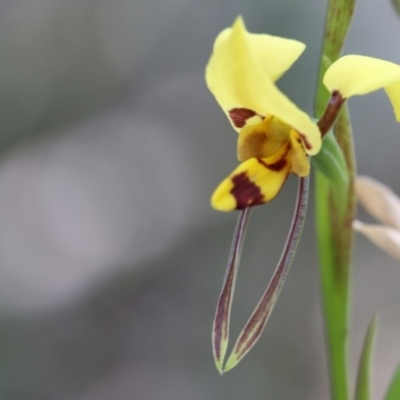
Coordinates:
[256,324]
[220,332]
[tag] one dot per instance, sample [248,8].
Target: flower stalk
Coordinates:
[331,113]
[333,227]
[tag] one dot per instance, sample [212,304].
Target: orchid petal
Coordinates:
[275,54]
[393,92]
[254,182]
[241,79]
[241,59]
[300,162]
[357,75]
[255,141]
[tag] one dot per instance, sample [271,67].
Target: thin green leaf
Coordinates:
[256,323]
[393,392]
[363,385]
[220,331]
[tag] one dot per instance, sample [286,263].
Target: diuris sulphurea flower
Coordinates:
[275,139]
[275,136]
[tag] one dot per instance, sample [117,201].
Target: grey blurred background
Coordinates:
[111,259]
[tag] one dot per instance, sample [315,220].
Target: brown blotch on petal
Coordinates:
[239,116]
[251,145]
[306,143]
[276,166]
[246,192]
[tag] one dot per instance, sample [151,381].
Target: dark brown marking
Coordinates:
[306,143]
[239,116]
[331,112]
[246,192]
[276,166]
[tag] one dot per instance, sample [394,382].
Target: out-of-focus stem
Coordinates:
[333,226]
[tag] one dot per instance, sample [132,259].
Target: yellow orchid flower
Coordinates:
[275,136]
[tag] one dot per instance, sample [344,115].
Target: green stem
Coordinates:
[333,226]
[335,243]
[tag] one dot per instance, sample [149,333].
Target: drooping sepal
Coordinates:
[256,323]
[220,331]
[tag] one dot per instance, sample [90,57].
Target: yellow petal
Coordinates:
[278,105]
[255,181]
[393,91]
[357,75]
[300,162]
[255,141]
[273,54]
[386,238]
[241,78]
[233,73]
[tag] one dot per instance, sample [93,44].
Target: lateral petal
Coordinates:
[254,182]
[393,92]
[300,161]
[357,75]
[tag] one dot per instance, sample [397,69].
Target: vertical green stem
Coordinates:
[335,243]
[333,226]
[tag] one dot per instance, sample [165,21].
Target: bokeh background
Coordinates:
[111,259]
